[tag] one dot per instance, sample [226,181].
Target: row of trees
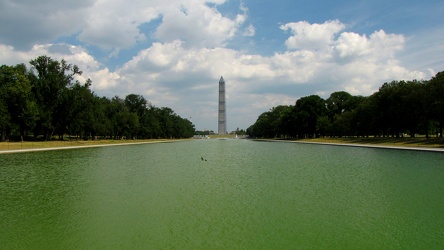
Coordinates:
[46,101]
[399,108]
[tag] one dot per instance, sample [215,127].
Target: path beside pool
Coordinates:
[362,145]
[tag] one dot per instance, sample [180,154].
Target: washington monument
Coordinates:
[222,128]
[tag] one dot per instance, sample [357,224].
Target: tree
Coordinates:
[118,114]
[437,99]
[263,126]
[388,103]
[337,103]
[16,104]
[5,121]
[165,116]
[365,116]
[48,101]
[150,125]
[136,104]
[307,112]
[51,80]
[284,120]
[85,111]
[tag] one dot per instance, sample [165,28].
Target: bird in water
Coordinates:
[203,159]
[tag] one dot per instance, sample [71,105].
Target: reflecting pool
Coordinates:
[222,194]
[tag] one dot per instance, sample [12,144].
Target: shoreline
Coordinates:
[427,149]
[26,150]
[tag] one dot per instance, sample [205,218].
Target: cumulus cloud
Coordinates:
[378,45]
[25,23]
[103,79]
[311,36]
[197,25]
[114,25]
[117,24]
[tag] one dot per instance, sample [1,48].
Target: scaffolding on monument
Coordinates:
[222,118]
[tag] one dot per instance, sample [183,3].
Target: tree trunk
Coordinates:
[3,137]
[440,129]
[427,128]
[47,135]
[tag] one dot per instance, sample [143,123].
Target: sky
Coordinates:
[270,53]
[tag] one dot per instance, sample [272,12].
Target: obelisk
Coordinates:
[222,128]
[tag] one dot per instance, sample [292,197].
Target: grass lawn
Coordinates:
[433,142]
[66,143]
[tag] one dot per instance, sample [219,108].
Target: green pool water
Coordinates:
[222,194]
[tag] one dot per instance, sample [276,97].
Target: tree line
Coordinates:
[46,102]
[397,109]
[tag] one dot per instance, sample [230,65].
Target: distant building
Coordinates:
[222,127]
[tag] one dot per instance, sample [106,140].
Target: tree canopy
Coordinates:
[46,101]
[398,108]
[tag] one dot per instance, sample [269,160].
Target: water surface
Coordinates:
[243,195]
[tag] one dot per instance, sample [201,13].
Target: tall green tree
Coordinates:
[165,116]
[83,118]
[117,112]
[263,126]
[5,117]
[17,106]
[50,82]
[136,104]
[437,99]
[365,115]
[150,125]
[307,112]
[338,103]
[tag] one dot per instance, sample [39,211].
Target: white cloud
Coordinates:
[103,80]
[249,31]
[115,24]
[378,46]
[71,54]
[197,25]
[156,58]
[350,44]
[311,36]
